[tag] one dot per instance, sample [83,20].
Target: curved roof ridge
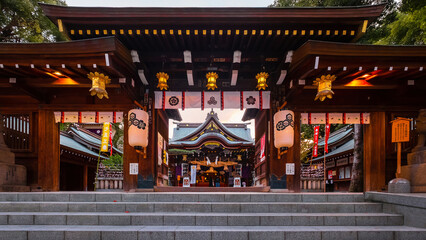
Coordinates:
[205,138]
[211,116]
[89,138]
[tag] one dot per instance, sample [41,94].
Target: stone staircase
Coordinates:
[221,216]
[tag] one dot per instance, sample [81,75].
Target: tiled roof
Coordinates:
[335,138]
[345,147]
[90,138]
[71,143]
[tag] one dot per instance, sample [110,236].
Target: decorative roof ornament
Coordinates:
[162,80]
[211,80]
[261,80]
[324,87]
[99,81]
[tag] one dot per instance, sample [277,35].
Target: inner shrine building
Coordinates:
[167,60]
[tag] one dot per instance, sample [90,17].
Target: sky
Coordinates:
[170,3]
[198,116]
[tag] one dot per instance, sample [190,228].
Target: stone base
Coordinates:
[6,156]
[415,171]
[418,157]
[12,174]
[399,185]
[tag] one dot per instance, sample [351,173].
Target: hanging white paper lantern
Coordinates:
[284,128]
[138,128]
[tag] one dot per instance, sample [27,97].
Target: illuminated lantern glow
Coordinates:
[284,129]
[362,81]
[225,168]
[99,82]
[162,80]
[138,128]
[261,80]
[198,167]
[324,87]
[239,158]
[211,80]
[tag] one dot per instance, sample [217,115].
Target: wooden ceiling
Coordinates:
[395,75]
[159,36]
[40,72]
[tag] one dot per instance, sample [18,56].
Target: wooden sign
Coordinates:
[401,130]
[237,182]
[400,133]
[186,182]
[289,168]
[134,169]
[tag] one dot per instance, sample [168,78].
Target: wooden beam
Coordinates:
[129,156]
[48,151]
[375,152]
[293,156]
[27,90]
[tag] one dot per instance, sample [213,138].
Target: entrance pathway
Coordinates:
[221,216]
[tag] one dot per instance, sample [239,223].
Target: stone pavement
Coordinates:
[88,215]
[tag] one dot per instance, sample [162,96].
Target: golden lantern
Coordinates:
[198,167]
[324,87]
[184,158]
[99,81]
[211,80]
[261,80]
[162,80]
[225,168]
[239,158]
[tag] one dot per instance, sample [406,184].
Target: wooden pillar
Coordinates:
[375,152]
[129,156]
[293,156]
[48,151]
[85,169]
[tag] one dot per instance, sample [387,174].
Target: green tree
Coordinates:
[24,21]
[409,28]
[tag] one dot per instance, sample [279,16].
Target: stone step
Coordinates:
[62,232]
[203,219]
[181,197]
[219,207]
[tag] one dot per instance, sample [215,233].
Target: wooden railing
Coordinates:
[311,184]
[110,178]
[17,131]
[109,183]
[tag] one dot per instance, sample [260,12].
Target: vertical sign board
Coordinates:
[134,169]
[401,130]
[105,137]
[400,133]
[193,174]
[237,182]
[186,182]
[289,168]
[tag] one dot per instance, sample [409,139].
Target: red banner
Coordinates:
[327,134]
[316,135]
[262,148]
